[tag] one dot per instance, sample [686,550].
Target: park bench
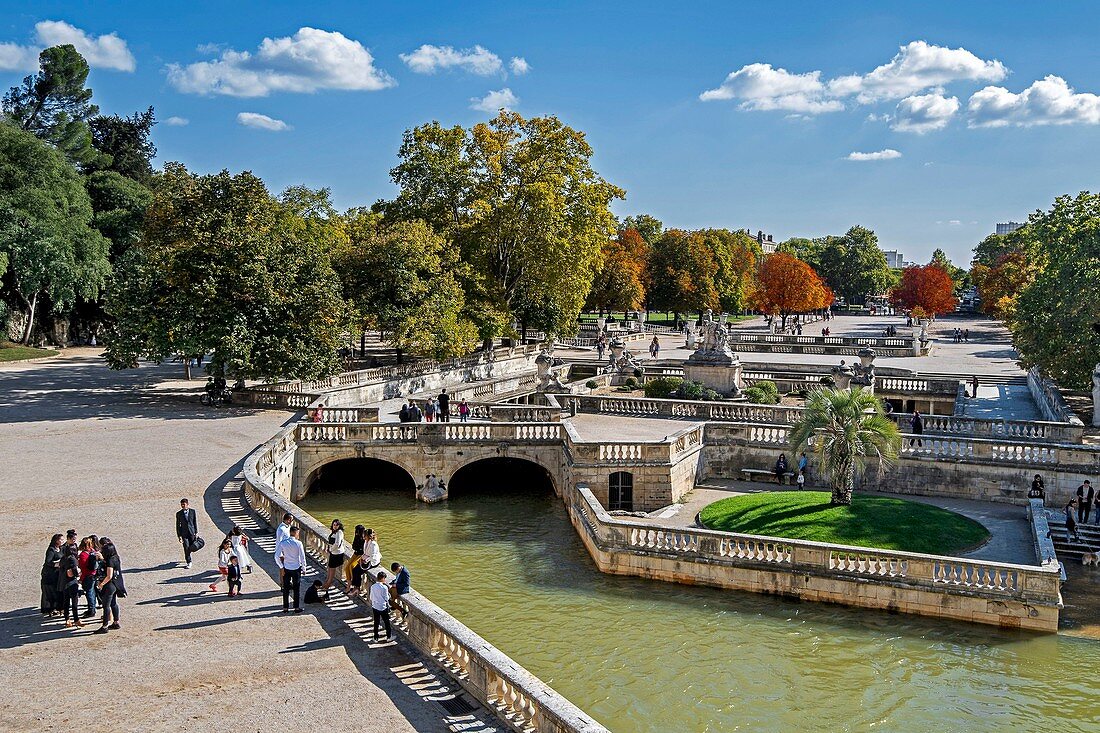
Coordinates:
[758,473]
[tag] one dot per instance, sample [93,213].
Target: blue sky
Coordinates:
[940,98]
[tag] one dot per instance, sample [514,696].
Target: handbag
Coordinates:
[197,544]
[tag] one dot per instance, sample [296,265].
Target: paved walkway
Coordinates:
[105,452]
[596,427]
[1002,402]
[1008,525]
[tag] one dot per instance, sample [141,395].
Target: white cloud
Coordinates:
[1049,101]
[924,113]
[429,59]
[308,61]
[887,154]
[494,101]
[917,66]
[954,222]
[177,121]
[519,65]
[101,52]
[760,87]
[261,122]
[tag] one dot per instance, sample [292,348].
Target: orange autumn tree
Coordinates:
[786,285]
[620,283]
[929,288]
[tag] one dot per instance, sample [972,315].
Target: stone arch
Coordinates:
[497,471]
[385,467]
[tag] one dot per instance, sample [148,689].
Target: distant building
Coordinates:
[764,240]
[895,259]
[1009,227]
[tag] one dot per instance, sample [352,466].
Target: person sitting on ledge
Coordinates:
[1037,491]
[313,592]
[780,468]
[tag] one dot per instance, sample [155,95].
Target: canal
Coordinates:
[640,655]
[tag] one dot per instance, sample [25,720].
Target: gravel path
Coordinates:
[112,453]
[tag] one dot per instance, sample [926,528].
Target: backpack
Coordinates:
[120,584]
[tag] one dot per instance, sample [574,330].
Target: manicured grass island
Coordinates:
[15,352]
[870,521]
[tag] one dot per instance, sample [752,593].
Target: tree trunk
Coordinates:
[30,321]
[842,492]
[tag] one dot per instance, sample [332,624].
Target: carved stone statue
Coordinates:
[714,364]
[863,373]
[1096,397]
[842,376]
[548,381]
[625,363]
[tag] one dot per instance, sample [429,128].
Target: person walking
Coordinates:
[110,586]
[974,387]
[239,541]
[1071,520]
[357,543]
[318,414]
[290,556]
[804,465]
[463,410]
[51,573]
[88,559]
[234,576]
[654,348]
[1085,496]
[966,335]
[187,529]
[336,553]
[917,429]
[225,551]
[429,410]
[380,604]
[444,406]
[403,414]
[601,346]
[70,586]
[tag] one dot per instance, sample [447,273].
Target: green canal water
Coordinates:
[650,656]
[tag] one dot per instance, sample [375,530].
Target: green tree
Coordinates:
[807,250]
[119,205]
[53,254]
[846,429]
[54,104]
[124,144]
[649,227]
[521,200]
[853,266]
[418,301]
[225,267]
[960,278]
[620,282]
[1056,317]
[683,270]
[736,254]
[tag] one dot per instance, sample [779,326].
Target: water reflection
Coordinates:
[652,656]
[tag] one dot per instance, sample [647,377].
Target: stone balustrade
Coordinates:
[1004,594]
[397,371]
[345,414]
[520,700]
[1025,430]
[1049,398]
[524,413]
[430,433]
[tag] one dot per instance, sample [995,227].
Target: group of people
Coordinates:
[88,567]
[1077,510]
[435,408]
[961,335]
[782,468]
[359,563]
[890,331]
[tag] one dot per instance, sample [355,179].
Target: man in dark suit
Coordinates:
[186,529]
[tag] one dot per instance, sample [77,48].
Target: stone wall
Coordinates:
[1011,596]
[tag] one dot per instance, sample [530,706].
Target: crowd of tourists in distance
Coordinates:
[74,568]
[436,408]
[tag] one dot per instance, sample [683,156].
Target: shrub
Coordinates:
[630,382]
[690,390]
[662,386]
[768,387]
[755,395]
[710,395]
[592,384]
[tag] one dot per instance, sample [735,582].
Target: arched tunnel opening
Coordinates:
[500,476]
[361,474]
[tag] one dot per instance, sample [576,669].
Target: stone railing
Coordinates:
[916,385]
[1057,432]
[725,411]
[345,414]
[522,701]
[259,397]
[524,413]
[821,571]
[1049,398]
[860,341]
[636,453]
[1040,533]
[398,371]
[430,433]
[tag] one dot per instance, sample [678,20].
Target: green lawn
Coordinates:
[870,521]
[15,352]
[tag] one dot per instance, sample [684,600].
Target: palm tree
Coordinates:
[845,429]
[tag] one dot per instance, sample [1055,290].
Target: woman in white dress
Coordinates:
[240,548]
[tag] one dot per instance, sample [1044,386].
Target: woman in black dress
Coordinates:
[51,573]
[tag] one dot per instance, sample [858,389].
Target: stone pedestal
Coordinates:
[723,378]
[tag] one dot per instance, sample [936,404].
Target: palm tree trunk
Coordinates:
[842,492]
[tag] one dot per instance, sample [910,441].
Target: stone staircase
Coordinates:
[1066,547]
